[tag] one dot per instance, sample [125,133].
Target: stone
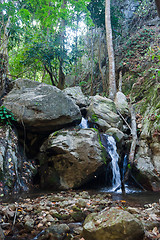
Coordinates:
[144,169]
[114,223]
[102,111]
[29,224]
[116,133]
[121,103]
[13,177]
[74,158]
[76,94]
[41,107]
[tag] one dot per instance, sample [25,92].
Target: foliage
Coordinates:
[6,117]
[97,9]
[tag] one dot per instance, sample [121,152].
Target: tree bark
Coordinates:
[61,82]
[92,67]
[99,62]
[158,6]
[112,81]
[4,58]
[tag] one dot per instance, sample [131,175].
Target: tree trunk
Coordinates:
[158,6]
[112,81]
[99,61]
[61,82]
[92,65]
[4,59]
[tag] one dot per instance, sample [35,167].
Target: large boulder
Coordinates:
[69,159]
[76,94]
[102,111]
[112,224]
[41,107]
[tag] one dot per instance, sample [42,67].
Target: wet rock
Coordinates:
[41,107]
[16,171]
[112,224]
[116,133]
[69,159]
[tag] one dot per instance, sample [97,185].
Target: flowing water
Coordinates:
[115,176]
[112,150]
[84,123]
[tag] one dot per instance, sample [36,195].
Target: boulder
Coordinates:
[102,111]
[116,133]
[121,103]
[41,107]
[15,170]
[111,224]
[76,94]
[69,159]
[147,167]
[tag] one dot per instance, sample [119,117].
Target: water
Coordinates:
[112,150]
[84,123]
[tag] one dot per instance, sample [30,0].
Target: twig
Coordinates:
[15,216]
[124,120]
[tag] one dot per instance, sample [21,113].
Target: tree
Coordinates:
[42,48]
[112,80]
[158,6]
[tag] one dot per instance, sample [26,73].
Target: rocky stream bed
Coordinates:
[61,216]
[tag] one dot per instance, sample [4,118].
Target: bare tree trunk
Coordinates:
[61,82]
[112,81]
[76,49]
[99,61]
[92,65]
[120,81]
[4,58]
[158,6]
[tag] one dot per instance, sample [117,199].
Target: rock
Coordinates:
[69,159]
[78,215]
[58,231]
[116,133]
[41,107]
[29,224]
[112,224]
[102,111]
[75,93]
[144,169]
[15,170]
[121,103]
[81,202]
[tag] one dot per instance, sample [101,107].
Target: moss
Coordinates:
[94,117]
[104,153]
[55,133]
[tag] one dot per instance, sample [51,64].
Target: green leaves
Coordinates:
[6,117]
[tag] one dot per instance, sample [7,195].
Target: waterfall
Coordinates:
[112,150]
[84,123]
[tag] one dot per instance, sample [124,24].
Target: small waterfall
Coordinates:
[84,123]
[112,150]
[110,145]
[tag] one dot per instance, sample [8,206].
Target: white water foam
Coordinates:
[84,123]
[112,150]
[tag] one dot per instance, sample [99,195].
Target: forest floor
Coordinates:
[61,215]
